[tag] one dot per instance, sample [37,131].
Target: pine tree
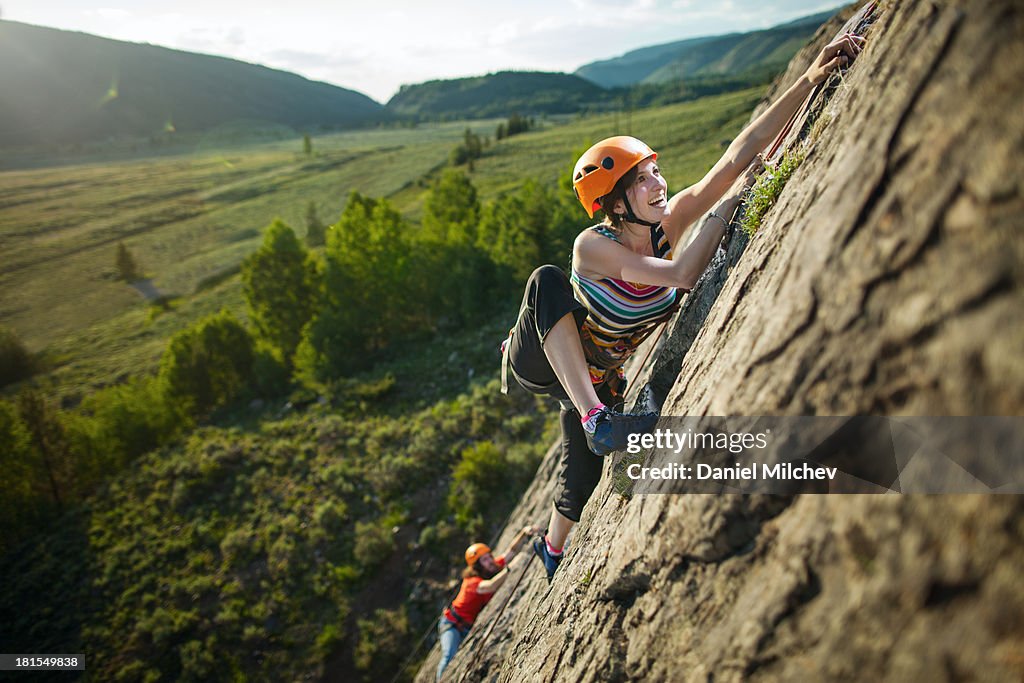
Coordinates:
[316,231]
[127,268]
[454,266]
[367,298]
[49,443]
[280,288]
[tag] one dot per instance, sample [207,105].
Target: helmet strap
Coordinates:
[632,217]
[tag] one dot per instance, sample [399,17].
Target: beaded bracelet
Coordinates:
[715,215]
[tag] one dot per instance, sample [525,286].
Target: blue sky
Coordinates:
[375,46]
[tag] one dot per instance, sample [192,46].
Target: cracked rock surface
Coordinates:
[886,280]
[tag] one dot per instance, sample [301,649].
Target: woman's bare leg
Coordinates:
[565,354]
[559,527]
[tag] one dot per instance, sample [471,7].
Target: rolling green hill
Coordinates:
[725,54]
[499,94]
[67,87]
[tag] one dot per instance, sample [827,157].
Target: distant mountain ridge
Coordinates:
[73,87]
[709,65]
[706,55]
[498,94]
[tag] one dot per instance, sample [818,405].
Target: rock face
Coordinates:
[886,280]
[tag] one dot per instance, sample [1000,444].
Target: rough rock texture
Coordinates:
[887,280]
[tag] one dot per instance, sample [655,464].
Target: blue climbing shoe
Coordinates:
[612,430]
[551,562]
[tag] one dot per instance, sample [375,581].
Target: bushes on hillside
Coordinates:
[374,543]
[483,480]
[236,542]
[383,643]
[131,419]
[19,483]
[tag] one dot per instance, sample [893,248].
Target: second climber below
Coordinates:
[483,575]
[573,334]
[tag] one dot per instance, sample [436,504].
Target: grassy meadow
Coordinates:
[303,536]
[189,217]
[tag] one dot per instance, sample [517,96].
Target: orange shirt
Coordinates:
[468,603]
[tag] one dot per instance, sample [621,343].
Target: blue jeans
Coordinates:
[451,637]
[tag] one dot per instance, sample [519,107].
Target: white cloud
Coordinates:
[109,13]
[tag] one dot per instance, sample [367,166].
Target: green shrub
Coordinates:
[15,360]
[383,644]
[330,517]
[19,502]
[368,300]
[197,662]
[127,268]
[239,547]
[374,543]
[132,419]
[207,365]
[333,633]
[482,480]
[52,465]
[270,374]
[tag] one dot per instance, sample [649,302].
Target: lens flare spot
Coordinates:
[111,94]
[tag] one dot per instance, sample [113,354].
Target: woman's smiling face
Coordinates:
[648,195]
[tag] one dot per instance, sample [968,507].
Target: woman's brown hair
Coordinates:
[611,219]
[477,570]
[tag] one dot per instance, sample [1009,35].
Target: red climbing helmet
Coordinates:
[602,165]
[475,552]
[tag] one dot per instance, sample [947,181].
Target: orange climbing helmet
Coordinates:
[475,552]
[602,165]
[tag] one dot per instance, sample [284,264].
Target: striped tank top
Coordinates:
[620,314]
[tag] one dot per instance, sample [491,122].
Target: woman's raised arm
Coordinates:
[688,205]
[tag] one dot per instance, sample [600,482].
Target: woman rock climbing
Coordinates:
[628,273]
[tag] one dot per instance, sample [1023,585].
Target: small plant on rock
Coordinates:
[767,189]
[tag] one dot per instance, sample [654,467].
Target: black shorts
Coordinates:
[548,299]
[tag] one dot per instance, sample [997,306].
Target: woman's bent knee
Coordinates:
[547,276]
